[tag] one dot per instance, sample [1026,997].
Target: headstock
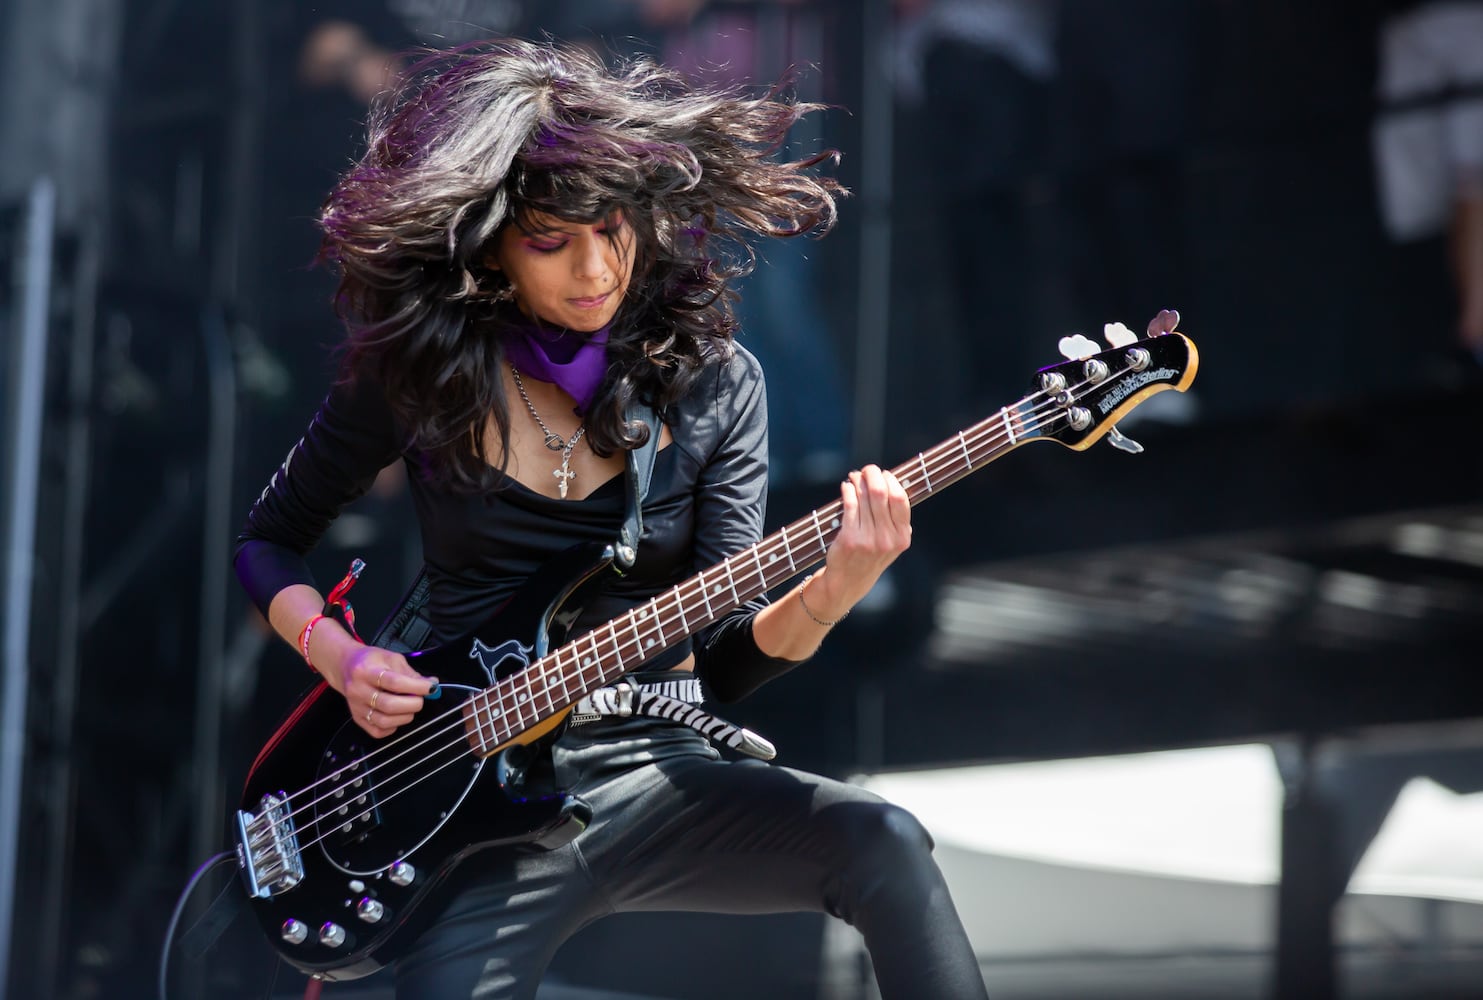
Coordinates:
[1077,402]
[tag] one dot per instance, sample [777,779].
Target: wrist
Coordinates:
[324,645]
[821,610]
[306,639]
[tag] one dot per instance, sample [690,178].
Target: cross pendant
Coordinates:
[563,474]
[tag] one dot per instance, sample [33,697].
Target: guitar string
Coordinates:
[995,437]
[986,432]
[542,668]
[695,587]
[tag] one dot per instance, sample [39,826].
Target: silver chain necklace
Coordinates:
[554,441]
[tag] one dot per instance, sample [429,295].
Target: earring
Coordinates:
[505,294]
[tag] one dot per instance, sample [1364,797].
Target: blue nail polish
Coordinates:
[435,693]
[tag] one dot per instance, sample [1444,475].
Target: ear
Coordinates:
[491,261]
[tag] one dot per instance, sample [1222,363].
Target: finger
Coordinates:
[877,494]
[899,503]
[849,499]
[388,714]
[400,678]
[374,723]
[396,708]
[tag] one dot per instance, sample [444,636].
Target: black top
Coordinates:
[707,500]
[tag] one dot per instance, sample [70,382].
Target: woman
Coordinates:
[531,243]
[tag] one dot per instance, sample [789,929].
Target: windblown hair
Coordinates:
[484,137]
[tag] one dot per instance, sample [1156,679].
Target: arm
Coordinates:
[875,528]
[350,439]
[760,641]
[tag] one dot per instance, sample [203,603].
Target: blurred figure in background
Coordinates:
[341,54]
[1428,139]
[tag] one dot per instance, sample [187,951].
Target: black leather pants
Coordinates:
[676,828]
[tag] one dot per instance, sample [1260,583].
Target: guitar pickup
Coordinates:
[350,809]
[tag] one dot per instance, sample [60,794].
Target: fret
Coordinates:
[1008,427]
[478,720]
[495,703]
[520,699]
[548,685]
[617,653]
[772,558]
[661,624]
[633,625]
[563,662]
[592,660]
[818,530]
[499,725]
[655,626]
[487,715]
[788,550]
[761,570]
[718,592]
[967,456]
[731,581]
[680,607]
[538,689]
[710,614]
[922,461]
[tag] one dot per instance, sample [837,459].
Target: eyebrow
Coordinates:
[540,231]
[614,217]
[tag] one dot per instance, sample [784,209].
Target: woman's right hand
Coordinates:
[381,689]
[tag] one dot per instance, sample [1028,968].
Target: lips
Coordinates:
[592,302]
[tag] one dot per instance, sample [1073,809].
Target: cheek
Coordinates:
[623,266]
[528,274]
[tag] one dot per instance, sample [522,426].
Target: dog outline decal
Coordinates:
[491,657]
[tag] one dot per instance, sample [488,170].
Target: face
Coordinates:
[569,274]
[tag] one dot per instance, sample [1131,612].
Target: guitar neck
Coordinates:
[607,652]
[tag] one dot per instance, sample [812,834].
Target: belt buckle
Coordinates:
[623,693]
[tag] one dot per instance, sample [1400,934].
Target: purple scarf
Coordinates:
[575,361]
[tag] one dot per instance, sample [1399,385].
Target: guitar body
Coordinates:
[377,830]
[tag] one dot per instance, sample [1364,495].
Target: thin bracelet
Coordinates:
[304,634]
[817,620]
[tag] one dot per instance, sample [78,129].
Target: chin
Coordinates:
[586,322]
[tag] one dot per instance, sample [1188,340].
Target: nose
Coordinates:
[591,260]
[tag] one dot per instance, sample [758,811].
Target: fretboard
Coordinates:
[506,709]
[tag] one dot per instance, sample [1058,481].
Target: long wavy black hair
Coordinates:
[485,136]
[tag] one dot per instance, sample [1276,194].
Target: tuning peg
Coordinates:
[1122,442]
[1076,347]
[1118,335]
[1165,322]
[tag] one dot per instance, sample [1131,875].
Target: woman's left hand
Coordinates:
[875,528]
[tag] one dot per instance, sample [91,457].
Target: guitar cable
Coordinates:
[200,873]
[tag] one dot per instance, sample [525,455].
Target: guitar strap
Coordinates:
[639,474]
[407,629]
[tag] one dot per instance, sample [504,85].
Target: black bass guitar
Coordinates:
[344,840]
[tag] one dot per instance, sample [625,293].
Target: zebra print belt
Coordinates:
[675,700]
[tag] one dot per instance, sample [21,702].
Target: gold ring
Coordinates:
[379,676]
[369,714]
[374,695]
